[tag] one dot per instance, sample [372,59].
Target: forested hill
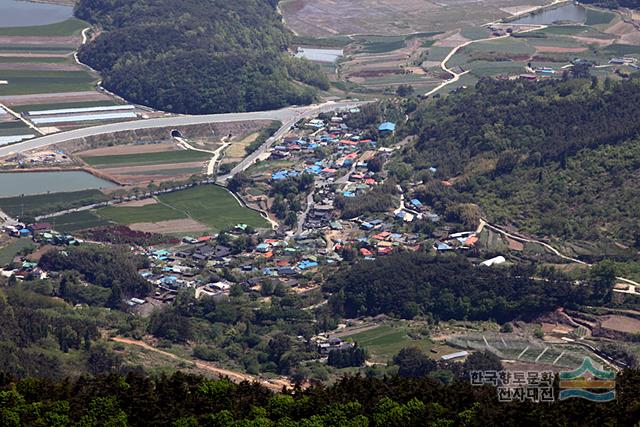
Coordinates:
[557,158]
[196,56]
[188,401]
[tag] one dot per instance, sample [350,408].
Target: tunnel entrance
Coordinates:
[175,133]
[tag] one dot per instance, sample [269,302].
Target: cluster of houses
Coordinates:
[41,232]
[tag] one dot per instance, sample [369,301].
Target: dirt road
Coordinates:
[275,385]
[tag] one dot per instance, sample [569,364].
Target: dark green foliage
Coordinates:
[196,56]
[380,199]
[353,356]
[554,158]
[482,361]
[104,266]
[447,288]
[413,363]
[170,325]
[35,329]
[185,400]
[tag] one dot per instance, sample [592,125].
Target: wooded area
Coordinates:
[185,400]
[556,158]
[196,56]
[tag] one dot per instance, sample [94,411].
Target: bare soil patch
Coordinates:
[55,98]
[139,203]
[558,49]
[621,324]
[172,226]
[590,40]
[452,41]
[39,66]
[47,41]
[32,55]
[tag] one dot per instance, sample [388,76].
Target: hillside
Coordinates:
[184,400]
[555,158]
[196,56]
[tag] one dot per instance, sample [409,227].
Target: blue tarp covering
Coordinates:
[387,127]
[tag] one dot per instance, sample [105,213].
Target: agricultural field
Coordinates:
[13,248]
[199,209]
[385,341]
[41,73]
[524,351]
[47,203]
[135,164]
[75,221]
[403,43]
[37,81]
[326,18]
[144,159]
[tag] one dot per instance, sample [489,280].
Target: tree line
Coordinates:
[187,400]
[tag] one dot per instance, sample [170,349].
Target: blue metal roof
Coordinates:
[387,127]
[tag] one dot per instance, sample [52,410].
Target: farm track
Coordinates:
[235,376]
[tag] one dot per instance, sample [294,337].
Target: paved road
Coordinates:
[295,114]
[285,115]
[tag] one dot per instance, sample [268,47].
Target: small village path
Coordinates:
[235,376]
[556,252]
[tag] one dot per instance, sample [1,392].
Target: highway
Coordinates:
[287,116]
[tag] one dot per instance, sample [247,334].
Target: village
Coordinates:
[329,200]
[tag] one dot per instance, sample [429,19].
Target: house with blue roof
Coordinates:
[387,127]
[304,265]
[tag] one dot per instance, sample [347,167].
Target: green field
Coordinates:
[14,128]
[209,205]
[47,203]
[147,158]
[385,341]
[598,17]
[14,247]
[131,215]
[27,82]
[77,221]
[65,28]
[621,50]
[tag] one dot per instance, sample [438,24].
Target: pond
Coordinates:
[570,12]
[28,183]
[25,14]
